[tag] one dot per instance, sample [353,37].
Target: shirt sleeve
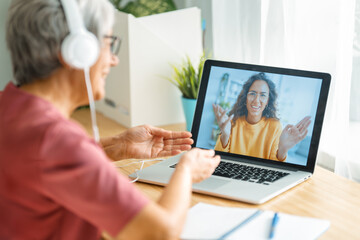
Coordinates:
[275,146]
[219,146]
[76,173]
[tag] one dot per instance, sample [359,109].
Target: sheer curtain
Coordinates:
[302,34]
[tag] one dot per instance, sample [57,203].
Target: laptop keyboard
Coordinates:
[247,173]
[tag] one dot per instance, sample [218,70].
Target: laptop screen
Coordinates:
[260,112]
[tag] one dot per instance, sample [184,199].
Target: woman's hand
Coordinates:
[200,163]
[165,218]
[224,122]
[292,135]
[146,142]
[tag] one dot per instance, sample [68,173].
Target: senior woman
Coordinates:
[55,181]
[252,127]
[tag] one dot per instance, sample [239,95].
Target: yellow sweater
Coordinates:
[257,140]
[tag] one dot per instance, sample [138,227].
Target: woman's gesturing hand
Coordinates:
[292,135]
[201,163]
[146,142]
[224,122]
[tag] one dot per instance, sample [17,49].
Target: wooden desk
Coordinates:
[325,195]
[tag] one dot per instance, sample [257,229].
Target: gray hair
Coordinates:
[36,28]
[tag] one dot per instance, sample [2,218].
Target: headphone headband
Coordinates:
[73,16]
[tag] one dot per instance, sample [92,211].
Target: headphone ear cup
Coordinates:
[80,50]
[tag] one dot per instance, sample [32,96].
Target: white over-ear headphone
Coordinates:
[80,49]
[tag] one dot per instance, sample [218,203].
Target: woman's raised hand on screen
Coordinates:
[224,122]
[292,135]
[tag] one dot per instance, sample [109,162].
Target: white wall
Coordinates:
[206,13]
[5,62]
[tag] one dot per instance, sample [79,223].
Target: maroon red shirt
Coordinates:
[56,182]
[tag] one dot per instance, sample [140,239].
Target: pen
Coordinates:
[274,222]
[247,220]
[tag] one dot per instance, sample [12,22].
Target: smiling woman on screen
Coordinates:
[252,127]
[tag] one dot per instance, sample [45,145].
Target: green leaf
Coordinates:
[186,78]
[140,8]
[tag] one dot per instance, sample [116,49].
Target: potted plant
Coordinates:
[141,8]
[187,78]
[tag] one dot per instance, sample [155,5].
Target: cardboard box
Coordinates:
[137,91]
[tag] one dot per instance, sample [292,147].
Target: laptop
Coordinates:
[253,176]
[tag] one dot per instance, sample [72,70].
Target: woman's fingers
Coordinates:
[217,112]
[303,135]
[288,127]
[223,118]
[222,123]
[220,114]
[301,122]
[201,162]
[209,152]
[304,123]
[297,135]
[228,120]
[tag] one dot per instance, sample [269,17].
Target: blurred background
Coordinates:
[322,35]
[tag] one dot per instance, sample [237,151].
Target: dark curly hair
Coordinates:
[239,109]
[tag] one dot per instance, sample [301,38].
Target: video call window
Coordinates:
[296,103]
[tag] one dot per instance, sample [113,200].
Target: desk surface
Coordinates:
[325,195]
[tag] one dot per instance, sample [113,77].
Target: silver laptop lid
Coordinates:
[254,104]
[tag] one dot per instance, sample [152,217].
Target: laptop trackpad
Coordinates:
[210,184]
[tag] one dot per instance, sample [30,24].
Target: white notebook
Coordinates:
[206,221]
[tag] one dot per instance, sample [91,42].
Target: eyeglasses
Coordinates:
[253,95]
[115,44]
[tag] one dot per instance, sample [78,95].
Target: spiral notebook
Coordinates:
[205,221]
